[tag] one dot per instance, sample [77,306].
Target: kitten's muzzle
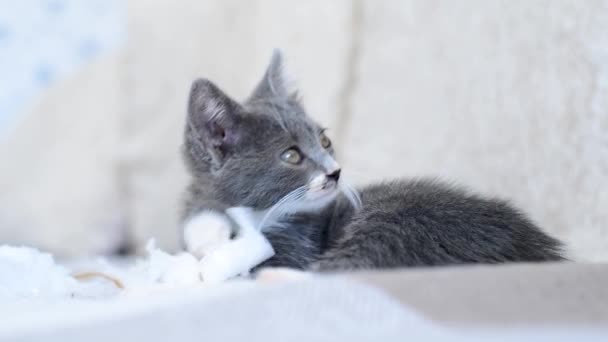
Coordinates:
[335,176]
[322,189]
[329,184]
[325,181]
[331,180]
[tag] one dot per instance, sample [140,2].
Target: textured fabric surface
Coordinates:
[42,42]
[59,170]
[509,295]
[59,111]
[317,310]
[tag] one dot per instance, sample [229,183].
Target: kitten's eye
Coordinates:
[292,156]
[324,140]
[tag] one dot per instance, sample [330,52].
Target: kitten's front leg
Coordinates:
[206,231]
[207,235]
[233,257]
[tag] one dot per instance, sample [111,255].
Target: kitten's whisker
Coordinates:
[287,206]
[351,194]
[280,206]
[278,209]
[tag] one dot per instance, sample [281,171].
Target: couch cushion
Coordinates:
[506,295]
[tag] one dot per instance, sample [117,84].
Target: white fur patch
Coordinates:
[206,232]
[317,181]
[237,256]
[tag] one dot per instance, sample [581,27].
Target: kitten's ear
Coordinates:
[213,117]
[275,84]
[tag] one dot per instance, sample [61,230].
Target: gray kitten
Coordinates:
[267,154]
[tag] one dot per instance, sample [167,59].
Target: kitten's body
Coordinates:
[243,155]
[410,223]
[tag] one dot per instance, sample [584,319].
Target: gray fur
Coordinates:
[232,152]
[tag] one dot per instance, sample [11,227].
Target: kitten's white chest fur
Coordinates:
[207,236]
[205,232]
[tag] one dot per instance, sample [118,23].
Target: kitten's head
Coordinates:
[258,152]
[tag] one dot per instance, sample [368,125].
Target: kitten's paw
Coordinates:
[281,274]
[205,232]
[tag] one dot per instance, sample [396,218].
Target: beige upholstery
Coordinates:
[60,181]
[509,295]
